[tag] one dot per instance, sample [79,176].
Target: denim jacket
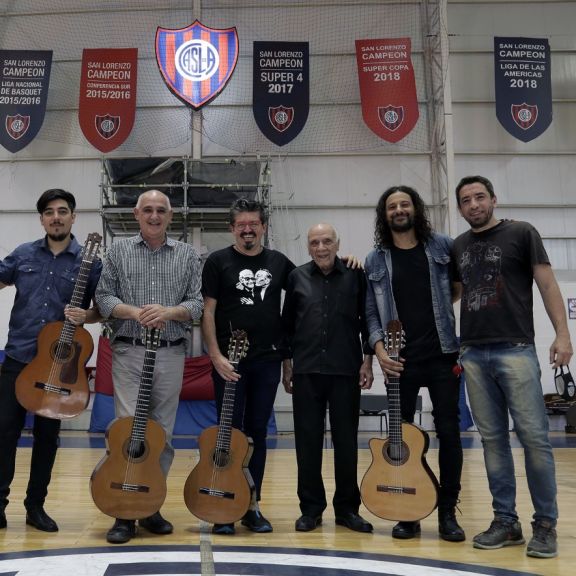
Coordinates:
[380,305]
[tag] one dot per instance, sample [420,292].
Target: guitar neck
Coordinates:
[68,330]
[226,416]
[144,393]
[394,410]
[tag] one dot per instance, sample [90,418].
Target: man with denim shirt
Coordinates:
[149,281]
[498,262]
[409,279]
[44,273]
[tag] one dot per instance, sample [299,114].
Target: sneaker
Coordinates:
[543,542]
[499,534]
[254,521]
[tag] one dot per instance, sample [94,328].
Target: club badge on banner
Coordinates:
[24,81]
[107,105]
[523,86]
[196,62]
[281,89]
[387,87]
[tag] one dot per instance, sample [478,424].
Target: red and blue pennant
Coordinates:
[196,62]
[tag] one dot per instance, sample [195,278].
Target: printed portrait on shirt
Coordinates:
[253,285]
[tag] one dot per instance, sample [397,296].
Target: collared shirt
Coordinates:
[135,275]
[44,286]
[324,319]
[380,304]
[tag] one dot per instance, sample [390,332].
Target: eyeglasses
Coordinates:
[249,225]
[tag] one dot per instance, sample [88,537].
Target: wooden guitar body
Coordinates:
[399,485]
[219,489]
[129,483]
[54,384]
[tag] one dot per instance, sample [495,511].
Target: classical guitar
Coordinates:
[399,485]
[219,489]
[128,482]
[55,384]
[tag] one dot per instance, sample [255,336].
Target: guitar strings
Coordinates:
[68,329]
[224,436]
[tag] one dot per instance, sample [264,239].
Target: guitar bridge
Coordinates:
[217,493]
[396,489]
[52,388]
[129,487]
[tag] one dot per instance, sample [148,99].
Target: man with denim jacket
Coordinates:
[498,262]
[409,279]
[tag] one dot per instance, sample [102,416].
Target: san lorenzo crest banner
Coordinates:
[107,104]
[523,86]
[196,62]
[281,89]
[24,81]
[387,87]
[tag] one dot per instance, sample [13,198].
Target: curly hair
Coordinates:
[422,227]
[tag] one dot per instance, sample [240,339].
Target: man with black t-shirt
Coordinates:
[498,262]
[409,279]
[242,285]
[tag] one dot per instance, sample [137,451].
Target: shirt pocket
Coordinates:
[66,283]
[377,279]
[29,275]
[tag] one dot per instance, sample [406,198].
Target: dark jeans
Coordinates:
[444,389]
[253,404]
[312,394]
[45,445]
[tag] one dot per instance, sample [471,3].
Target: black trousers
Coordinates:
[444,388]
[312,394]
[45,445]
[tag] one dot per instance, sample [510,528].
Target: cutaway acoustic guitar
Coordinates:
[399,485]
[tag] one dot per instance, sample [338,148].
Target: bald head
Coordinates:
[153,195]
[323,245]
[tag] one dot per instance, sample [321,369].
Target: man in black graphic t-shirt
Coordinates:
[498,261]
[242,285]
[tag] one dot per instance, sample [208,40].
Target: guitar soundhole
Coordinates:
[396,454]
[221,458]
[135,450]
[61,352]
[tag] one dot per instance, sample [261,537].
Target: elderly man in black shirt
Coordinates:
[324,321]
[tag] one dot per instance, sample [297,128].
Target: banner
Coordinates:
[196,62]
[387,87]
[24,80]
[107,105]
[523,86]
[281,89]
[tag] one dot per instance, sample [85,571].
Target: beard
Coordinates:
[408,224]
[58,237]
[481,221]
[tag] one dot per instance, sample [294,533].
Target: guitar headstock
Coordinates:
[394,338]
[151,338]
[91,246]
[238,346]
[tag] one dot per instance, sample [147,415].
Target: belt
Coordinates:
[140,342]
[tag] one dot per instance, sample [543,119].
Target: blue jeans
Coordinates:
[506,377]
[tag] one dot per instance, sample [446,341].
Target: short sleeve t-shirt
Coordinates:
[495,267]
[248,292]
